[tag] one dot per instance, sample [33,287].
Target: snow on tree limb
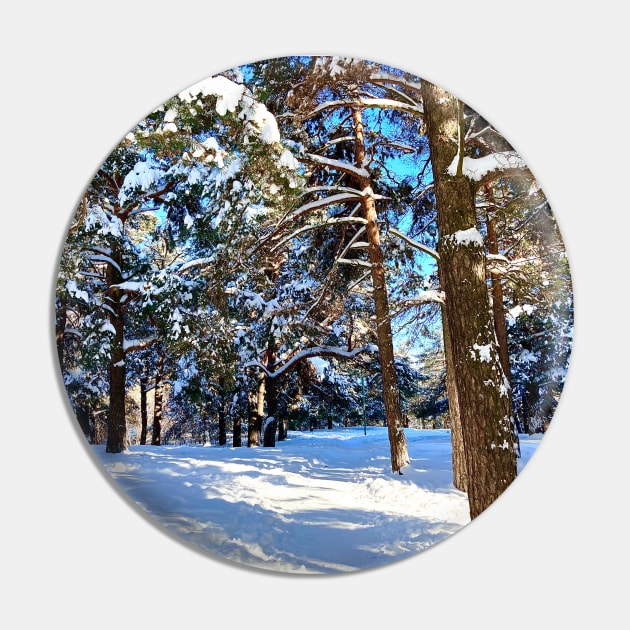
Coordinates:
[129,345]
[354,262]
[337,165]
[305,209]
[428,296]
[227,92]
[339,189]
[388,81]
[386,77]
[197,262]
[501,265]
[306,228]
[484,168]
[315,351]
[323,202]
[413,243]
[105,259]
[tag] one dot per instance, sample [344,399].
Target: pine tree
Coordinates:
[488,431]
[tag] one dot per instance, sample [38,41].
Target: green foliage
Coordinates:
[222,258]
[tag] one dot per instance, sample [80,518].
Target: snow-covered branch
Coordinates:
[323,202]
[387,78]
[197,262]
[488,167]
[105,259]
[365,276]
[351,243]
[392,83]
[316,226]
[132,207]
[129,345]
[500,265]
[305,209]
[413,243]
[133,286]
[429,296]
[471,136]
[354,262]
[337,189]
[337,165]
[307,353]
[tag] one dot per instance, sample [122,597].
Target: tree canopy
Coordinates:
[303,242]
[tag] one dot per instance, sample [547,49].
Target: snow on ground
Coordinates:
[318,503]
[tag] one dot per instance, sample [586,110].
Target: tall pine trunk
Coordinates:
[256,406]
[483,391]
[271,395]
[222,417]
[86,422]
[497,292]
[498,309]
[391,399]
[156,435]
[144,416]
[236,432]
[60,328]
[116,422]
[458,457]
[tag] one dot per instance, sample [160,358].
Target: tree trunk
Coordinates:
[84,417]
[531,398]
[483,391]
[60,327]
[256,412]
[460,476]
[271,395]
[253,432]
[282,429]
[498,309]
[397,440]
[116,421]
[222,420]
[156,435]
[236,432]
[144,416]
[223,415]
[497,298]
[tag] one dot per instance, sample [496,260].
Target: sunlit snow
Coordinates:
[319,502]
[477,168]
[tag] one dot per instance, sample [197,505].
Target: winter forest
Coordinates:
[307,243]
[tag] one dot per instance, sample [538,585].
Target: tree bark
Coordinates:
[498,309]
[236,432]
[460,475]
[271,395]
[222,420]
[391,399]
[156,435]
[497,296]
[253,432]
[256,411]
[144,416]
[84,417]
[116,422]
[60,327]
[483,391]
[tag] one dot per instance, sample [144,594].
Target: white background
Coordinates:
[552,550]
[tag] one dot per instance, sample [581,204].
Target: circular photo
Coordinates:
[313,315]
